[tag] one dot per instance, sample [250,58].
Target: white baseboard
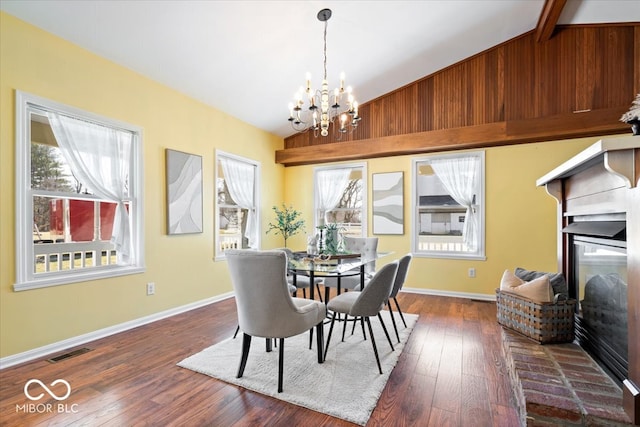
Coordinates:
[452,294]
[46,350]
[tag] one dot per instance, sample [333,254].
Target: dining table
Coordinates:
[330,265]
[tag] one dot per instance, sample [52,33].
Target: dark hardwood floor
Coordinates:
[451,373]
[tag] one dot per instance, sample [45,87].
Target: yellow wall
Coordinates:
[181,266]
[520,217]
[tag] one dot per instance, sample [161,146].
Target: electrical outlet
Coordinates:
[472,272]
[151,288]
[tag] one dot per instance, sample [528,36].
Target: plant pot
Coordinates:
[331,240]
[635,126]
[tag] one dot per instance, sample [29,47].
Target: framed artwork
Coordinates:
[184,192]
[388,203]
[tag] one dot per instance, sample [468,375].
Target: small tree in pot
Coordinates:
[287,223]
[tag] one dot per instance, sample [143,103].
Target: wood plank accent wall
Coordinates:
[578,83]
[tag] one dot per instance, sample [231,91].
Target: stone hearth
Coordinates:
[560,384]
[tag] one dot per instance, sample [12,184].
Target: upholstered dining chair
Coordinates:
[365,304]
[265,307]
[292,290]
[401,276]
[368,248]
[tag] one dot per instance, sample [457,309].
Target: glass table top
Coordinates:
[339,264]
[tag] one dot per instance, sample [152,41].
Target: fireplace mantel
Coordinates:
[603,181]
[616,154]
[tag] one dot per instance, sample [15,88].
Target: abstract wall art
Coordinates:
[184,192]
[388,203]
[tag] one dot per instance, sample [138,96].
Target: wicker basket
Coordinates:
[545,323]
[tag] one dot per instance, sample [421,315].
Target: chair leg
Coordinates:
[384,328]
[320,341]
[304,293]
[280,364]
[399,311]
[326,347]
[353,327]
[236,333]
[373,343]
[310,338]
[246,343]
[267,342]
[393,320]
[362,324]
[344,324]
[319,294]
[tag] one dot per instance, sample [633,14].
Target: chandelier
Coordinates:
[323,108]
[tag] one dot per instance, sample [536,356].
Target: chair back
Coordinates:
[287,251]
[367,247]
[401,275]
[375,295]
[259,281]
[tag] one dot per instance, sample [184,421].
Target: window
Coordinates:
[236,203]
[340,197]
[449,206]
[78,195]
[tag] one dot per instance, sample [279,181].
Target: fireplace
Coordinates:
[599,272]
[598,194]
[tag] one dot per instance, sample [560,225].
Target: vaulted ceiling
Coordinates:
[248,58]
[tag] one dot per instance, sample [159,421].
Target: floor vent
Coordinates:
[69,355]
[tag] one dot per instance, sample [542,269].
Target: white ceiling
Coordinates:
[248,58]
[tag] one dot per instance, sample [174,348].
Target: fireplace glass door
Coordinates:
[600,270]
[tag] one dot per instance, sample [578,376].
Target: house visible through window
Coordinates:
[449,206]
[340,197]
[78,195]
[236,203]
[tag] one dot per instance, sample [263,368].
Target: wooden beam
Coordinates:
[548,19]
[561,126]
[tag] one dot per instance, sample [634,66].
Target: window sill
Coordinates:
[65,279]
[450,255]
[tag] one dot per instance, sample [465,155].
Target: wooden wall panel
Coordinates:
[591,68]
[425,105]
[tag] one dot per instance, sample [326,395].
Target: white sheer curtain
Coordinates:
[100,158]
[330,184]
[459,176]
[240,179]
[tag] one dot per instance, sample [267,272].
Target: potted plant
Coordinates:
[633,116]
[288,222]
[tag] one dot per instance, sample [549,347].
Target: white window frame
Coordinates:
[365,211]
[25,277]
[218,252]
[479,254]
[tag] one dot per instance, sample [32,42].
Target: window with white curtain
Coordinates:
[78,195]
[236,203]
[448,201]
[340,196]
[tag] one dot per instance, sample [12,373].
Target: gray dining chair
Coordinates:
[265,307]
[368,248]
[365,304]
[401,277]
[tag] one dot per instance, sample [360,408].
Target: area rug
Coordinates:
[347,385]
